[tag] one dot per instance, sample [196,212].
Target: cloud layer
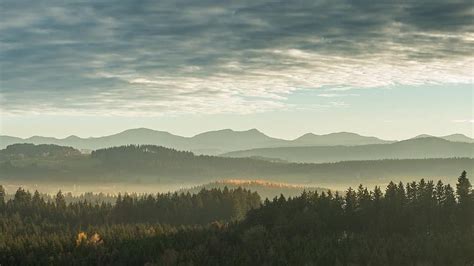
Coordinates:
[152,58]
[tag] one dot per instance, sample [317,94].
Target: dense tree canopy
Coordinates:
[153,164]
[418,223]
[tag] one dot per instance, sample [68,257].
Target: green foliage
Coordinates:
[265,189]
[419,223]
[153,164]
[2,196]
[43,150]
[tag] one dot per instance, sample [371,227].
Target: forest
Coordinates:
[417,223]
[154,164]
[255,132]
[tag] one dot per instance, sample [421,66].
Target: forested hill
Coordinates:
[34,151]
[265,189]
[419,148]
[154,164]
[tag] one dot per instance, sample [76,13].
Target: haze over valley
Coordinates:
[341,159]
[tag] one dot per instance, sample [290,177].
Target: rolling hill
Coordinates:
[148,164]
[452,137]
[418,148]
[266,189]
[336,139]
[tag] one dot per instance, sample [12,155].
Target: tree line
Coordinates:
[418,223]
[155,164]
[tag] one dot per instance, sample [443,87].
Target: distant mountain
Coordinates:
[230,140]
[452,137]
[266,189]
[419,148]
[207,143]
[458,138]
[210,143]
[131,136]
[341,138]
[7,140]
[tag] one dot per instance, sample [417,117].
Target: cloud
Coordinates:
[169,57]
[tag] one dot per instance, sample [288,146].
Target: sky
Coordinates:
[392,69]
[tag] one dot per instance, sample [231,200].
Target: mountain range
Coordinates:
[212,142]
[418,148]
[452,137]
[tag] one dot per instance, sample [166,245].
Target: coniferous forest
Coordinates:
[418,223]
[150,164]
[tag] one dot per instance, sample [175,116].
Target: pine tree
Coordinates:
[463,189]
[37,200]
[60,201]
[350,200]
[363,197]
[22,197]
[449,198]
[439,193]
[466,206]
[2,197]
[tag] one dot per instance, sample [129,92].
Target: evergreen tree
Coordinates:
[464,189]
[2,197]
[60,201]
[465,198]
[22,198]
[440,193]
[449,197]
[361,228]
[350,201]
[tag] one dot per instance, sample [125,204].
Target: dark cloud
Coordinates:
[89,52]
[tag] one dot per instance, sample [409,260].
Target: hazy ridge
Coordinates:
[212,142]
[266,189]
[418,148]
[158,165]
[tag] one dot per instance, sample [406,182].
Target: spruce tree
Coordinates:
[60,201]
[2,197]
[463,189]
[464,194]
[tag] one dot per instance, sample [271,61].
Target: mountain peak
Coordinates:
[306,136]
[428,139]
[72,137]
[337,138]
[423,136]
[139,129]
[457,135]
[142,131]
[458,138]
[345,134]
[254,130]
